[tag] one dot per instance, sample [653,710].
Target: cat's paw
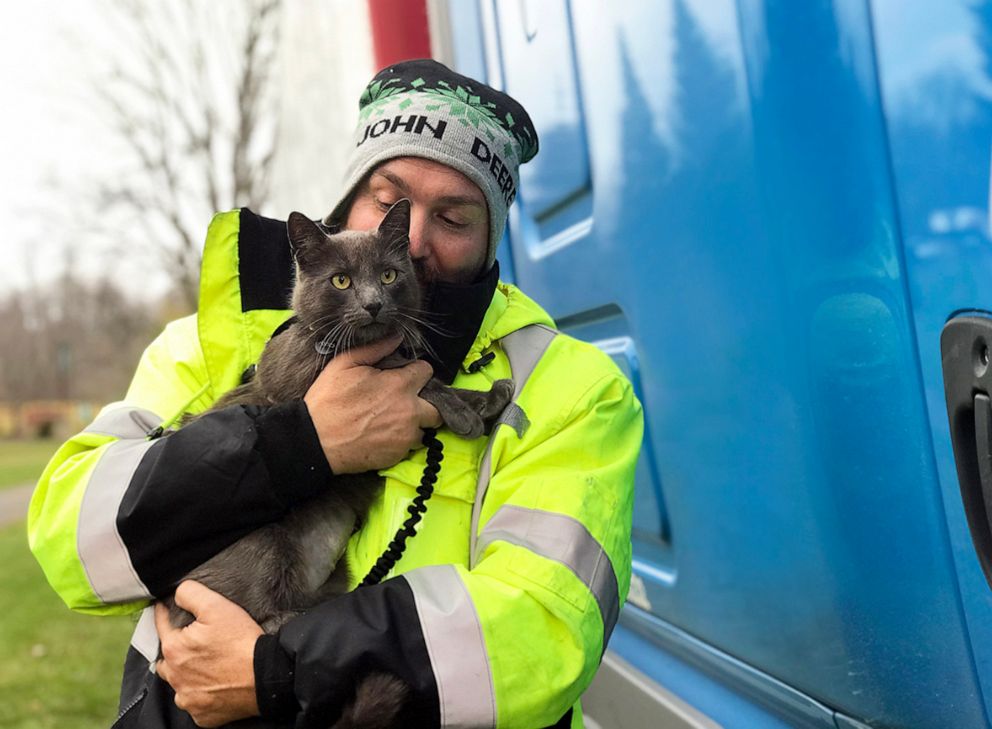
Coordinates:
[497,399]
[465,422]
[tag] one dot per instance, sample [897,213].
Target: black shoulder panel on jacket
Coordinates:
[265,262]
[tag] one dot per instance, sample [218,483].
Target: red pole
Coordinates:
[399,31]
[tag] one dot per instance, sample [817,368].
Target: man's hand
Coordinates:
[209,663]
[368,418]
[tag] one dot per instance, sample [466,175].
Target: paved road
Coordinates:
[14,503]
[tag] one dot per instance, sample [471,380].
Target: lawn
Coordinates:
[21,461]
[57,668]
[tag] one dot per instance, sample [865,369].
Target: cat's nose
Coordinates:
[373,308]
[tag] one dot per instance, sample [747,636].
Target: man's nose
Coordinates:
[419,237]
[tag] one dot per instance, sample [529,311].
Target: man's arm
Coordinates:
[119,517]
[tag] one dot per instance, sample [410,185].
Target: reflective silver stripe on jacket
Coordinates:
[124,422]
[524,348]
[98,542]
[456,647]
[145,637]
[563,539]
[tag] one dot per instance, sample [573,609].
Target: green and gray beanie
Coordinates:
[424,109]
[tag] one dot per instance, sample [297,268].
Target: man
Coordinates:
[500,607]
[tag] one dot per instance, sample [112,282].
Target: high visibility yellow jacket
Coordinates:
[501,627]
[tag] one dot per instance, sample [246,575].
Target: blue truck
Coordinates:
[768,212]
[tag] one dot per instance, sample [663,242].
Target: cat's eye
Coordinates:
[341,281]
[388,276]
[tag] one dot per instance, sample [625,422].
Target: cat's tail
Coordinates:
[378,700]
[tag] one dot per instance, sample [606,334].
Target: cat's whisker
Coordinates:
[439,332]
[316,327]
[331,334]
[404,332]
[426,325]
[416,340]
[320,320]
[424,316]
[347,339]
[417,310]
[420,314]
[338,324]
[412,333]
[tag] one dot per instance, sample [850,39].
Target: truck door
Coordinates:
[714,206]
[935,71]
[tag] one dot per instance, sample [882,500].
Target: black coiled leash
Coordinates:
[389,558]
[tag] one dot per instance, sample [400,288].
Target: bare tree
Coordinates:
[191,96]
[73,338]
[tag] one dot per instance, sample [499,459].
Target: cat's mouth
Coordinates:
[374,330]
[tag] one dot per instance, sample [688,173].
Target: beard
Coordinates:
[429,275]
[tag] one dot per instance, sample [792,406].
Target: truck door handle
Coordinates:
[965,346]
[983,450]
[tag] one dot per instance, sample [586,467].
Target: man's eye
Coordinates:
[452,222]
[383,204]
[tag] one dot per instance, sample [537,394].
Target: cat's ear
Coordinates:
[394,230]
[305,238]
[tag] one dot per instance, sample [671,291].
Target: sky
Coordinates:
[55,141]
[47,133]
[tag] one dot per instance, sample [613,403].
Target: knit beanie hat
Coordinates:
[424,109]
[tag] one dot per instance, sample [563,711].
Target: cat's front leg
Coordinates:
[458,415]
[494,402]
[468,413]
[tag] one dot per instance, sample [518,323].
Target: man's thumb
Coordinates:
[369,354]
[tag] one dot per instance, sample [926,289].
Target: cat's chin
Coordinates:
[374,331]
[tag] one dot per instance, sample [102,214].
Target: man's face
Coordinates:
[449,219]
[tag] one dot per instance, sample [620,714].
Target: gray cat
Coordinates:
[352,288]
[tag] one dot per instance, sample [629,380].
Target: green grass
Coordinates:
[22,461]
[57,668]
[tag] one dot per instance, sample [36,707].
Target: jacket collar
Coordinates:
[455,314]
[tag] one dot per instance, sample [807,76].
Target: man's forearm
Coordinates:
[202,488]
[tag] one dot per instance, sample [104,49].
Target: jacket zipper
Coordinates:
[137,700]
